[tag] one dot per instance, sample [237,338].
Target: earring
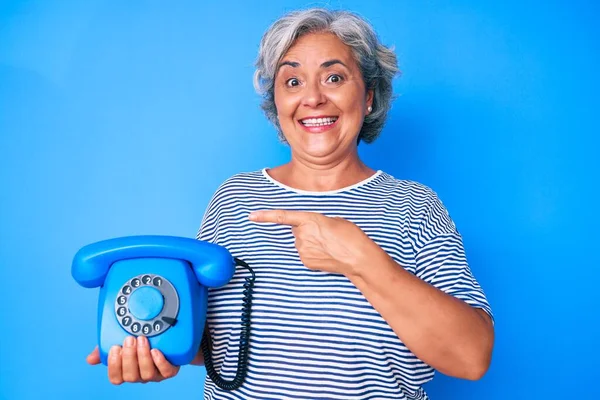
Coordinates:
[369,109]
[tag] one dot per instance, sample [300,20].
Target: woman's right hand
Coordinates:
[135,362]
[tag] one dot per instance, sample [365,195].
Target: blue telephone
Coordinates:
[157,286]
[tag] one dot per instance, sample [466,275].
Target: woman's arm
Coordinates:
[443,331]
[198,359]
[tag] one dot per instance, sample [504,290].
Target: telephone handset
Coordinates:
[157,286]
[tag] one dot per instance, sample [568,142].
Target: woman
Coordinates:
[362,286]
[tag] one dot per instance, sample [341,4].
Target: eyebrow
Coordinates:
[329,63]
[326,64]
[292,64]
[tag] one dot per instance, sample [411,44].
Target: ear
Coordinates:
[369,100]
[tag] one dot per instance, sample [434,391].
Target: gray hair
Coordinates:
[377,63]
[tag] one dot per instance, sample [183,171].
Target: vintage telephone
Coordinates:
[157,286]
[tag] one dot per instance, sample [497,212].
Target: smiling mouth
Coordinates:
[318,122]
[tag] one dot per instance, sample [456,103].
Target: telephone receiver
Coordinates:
[157,286]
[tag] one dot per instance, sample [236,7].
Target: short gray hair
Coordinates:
[377,63]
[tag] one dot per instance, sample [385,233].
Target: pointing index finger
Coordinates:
[282,217]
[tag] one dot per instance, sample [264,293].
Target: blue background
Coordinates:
[121,118]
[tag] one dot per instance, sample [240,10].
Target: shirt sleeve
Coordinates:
[209,226]
[441,260]
[207,230]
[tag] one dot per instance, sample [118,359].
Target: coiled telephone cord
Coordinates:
[243,354]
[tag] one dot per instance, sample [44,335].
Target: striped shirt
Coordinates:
[313,333]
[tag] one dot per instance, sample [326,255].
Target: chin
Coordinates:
[320,152]
[319,145]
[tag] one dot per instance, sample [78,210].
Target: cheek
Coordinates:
[285,104]
[349,103]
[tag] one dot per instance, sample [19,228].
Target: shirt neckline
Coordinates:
[322,193]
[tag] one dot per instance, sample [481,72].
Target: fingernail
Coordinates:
[253,216]
[142,341]
[130,341]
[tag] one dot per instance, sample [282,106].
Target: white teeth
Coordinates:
[318,121]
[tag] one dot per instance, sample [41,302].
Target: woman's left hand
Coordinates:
[324,243]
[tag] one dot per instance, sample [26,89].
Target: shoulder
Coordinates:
[406,190]
[241,185]
[419,203]
[242,179]
[224,199]
[238,183]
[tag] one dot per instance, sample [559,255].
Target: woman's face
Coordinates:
[320,98]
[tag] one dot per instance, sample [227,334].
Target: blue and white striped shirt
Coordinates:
[313,333]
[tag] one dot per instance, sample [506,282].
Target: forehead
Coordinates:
[314,48]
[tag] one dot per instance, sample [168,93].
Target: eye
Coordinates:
[292,82]
[334,78]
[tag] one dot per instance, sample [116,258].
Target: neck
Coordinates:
[321,177]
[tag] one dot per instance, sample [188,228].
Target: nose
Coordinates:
[313,95]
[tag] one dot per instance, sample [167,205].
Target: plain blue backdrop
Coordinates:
[122,117]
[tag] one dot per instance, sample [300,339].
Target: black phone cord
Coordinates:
[244,339]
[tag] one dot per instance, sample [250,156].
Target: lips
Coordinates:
[321,121]
[318,124]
